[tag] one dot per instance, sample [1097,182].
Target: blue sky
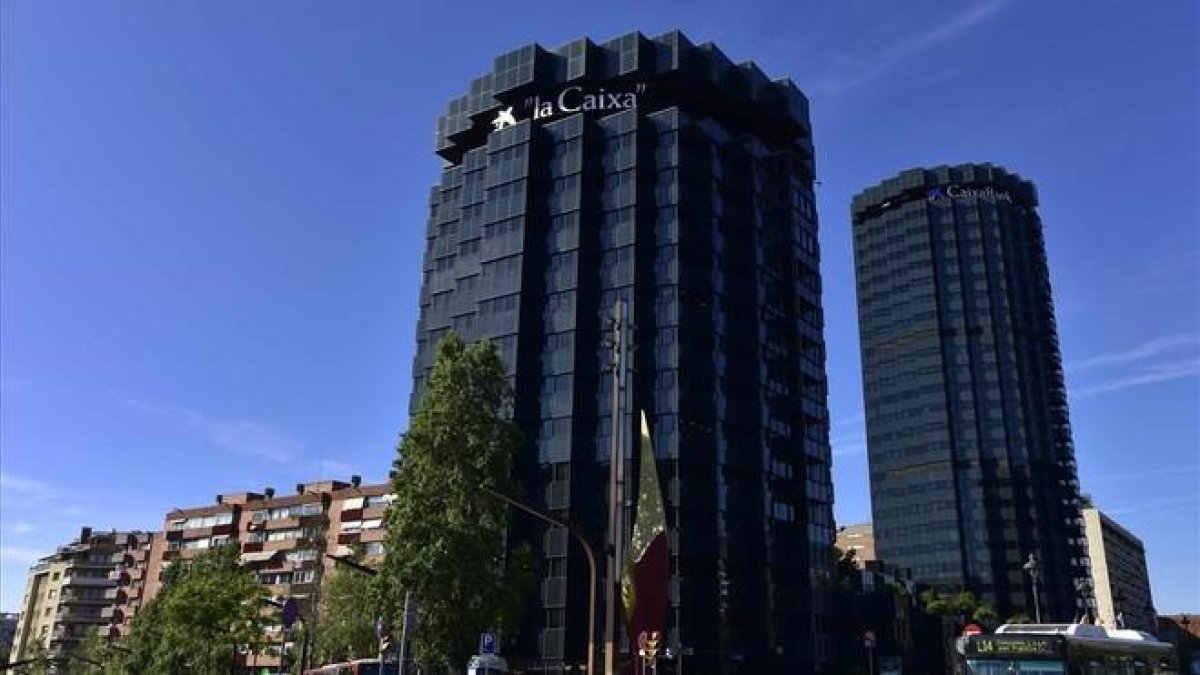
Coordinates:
[212,218]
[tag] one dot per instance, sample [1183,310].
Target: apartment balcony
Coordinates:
[284,544]
[112,614]
[373,534]
[70,614]
[204,532]
[107,580]
[276,524]
[69,598]
[116,595]
[63,633]
[313,520]
[373,512]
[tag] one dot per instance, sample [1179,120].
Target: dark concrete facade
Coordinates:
[660,173]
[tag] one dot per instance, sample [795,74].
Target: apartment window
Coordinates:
[378,500]
[301,555]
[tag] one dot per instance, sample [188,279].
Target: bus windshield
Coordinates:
[1012,666]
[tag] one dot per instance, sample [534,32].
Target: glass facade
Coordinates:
[659,173]
[971,459]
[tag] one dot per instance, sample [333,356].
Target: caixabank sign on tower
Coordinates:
[572,99]
[662,174]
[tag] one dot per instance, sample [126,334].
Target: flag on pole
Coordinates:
[645,577]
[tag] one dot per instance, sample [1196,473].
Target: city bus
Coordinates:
[1064,649]
[356,667]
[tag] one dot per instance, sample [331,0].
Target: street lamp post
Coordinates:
[1031,566]
[591,558]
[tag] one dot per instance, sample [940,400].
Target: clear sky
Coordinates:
[213,214]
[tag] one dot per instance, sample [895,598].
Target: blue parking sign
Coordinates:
[487,643]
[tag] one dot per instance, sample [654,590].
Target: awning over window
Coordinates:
[257,556]
[352,503]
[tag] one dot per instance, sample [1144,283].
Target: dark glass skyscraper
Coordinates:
[972,465]
[658,172]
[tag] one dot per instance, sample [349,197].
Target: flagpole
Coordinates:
[676,498]
[615,497]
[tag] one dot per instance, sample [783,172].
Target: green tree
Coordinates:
[36,658]
[445,536]
[208,607]
[952,609]
[346,616]
[95,656]
[846,574]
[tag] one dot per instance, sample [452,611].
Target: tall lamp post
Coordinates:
[1031,566]
[591,558]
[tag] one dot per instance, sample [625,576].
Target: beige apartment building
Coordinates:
[857,538]
[78,590]
[284,539]
[1119,576]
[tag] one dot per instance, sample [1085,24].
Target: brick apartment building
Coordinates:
[101,580]
[283,538]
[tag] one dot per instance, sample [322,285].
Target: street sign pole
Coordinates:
[403,667]
[379,639]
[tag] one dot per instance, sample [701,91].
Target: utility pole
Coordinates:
[1031,566]
[616,493]
[404,629]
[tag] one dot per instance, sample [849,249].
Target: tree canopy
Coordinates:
[208,607]
[346,616]
[961,604]
[446,537]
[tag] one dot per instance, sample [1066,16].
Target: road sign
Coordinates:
[869,639]
[972,629]
[291,610]
[379,628]
[642,637]
[487,643]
